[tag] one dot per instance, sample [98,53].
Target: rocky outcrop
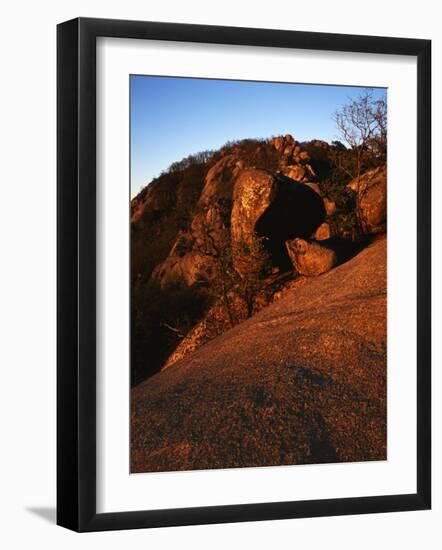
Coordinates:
[291,385]
[281,143]
[183,266]
[190,259]
[236,204]
[219,181]
[275,208]
[159,214]
[299,172]
[294,162]
[239,205]
[371,195]
[255,190]
[211,205]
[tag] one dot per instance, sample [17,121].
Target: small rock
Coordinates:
[304,156]
[323,232]
[330,206]
[310,258]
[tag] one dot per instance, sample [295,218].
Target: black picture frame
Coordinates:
[76,274]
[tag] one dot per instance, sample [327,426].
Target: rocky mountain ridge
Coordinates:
[210,223]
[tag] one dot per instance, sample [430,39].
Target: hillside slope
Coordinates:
[219,216]
[303,381]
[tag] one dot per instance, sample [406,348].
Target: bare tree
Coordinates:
[362,124]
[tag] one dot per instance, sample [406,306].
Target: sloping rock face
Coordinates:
[190,258]
[309,258]
[218,184]
[183,266]
[159,212]
[216,321]
[372,198]
[301,382]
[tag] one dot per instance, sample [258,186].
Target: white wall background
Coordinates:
[27,275]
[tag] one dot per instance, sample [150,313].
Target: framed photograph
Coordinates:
[241,334]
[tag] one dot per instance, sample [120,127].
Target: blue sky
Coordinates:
[174,117]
